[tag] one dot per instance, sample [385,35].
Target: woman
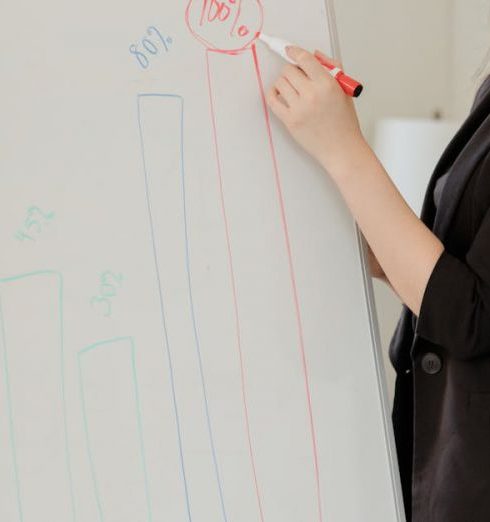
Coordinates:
[439,266]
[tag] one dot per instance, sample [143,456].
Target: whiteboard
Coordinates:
[186,329]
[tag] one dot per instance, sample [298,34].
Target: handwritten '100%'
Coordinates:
[216,11]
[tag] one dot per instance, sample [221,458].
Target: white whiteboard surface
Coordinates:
[185,330]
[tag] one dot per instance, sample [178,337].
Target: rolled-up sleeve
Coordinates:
[455,311]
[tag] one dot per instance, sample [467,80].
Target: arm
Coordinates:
[323,121]
[374,267]
[456,306]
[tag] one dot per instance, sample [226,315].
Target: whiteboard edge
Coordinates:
[381,374]
[373,318]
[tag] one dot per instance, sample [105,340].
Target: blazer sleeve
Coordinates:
[455,311]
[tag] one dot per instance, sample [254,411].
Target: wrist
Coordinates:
[347,159]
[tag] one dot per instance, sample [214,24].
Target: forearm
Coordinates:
[374,267]
[404,247]
[378,273]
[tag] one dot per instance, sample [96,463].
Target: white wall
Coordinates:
[471,45]
[402,57]
[415,57]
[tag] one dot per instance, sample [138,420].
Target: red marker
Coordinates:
[349,85]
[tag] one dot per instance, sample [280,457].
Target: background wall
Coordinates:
[402,57]
[416,58]
[470,49]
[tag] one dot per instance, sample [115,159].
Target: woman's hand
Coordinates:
[322,118]
[315,109]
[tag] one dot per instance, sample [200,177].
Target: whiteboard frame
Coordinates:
[373,317]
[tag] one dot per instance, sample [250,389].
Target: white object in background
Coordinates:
[409,149]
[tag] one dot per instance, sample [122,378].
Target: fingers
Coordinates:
[307,62]
[276,105]
[296,77]
[324,59]
[286,90]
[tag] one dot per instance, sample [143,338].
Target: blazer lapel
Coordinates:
[462,155]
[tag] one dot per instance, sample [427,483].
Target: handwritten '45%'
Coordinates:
[34,224]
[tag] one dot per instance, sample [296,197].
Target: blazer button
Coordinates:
[431,363]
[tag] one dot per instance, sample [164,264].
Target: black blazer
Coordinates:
[441,413]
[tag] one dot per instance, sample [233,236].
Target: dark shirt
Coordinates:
[441,412]
[439,189]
